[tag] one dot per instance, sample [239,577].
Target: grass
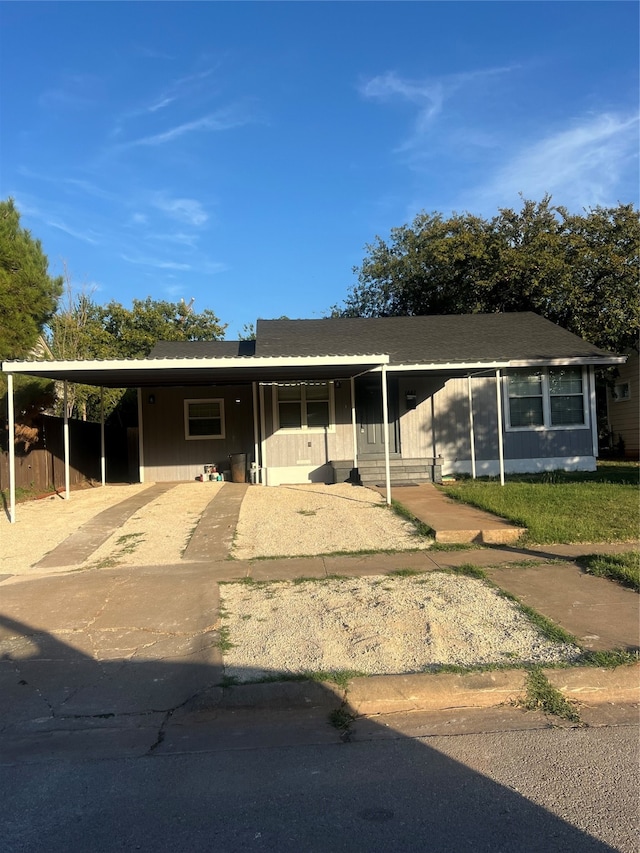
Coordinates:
[622,568]
[563,507]
[542,696]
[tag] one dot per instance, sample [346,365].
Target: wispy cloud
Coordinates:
[225,119]
[86,237]
[428,96]
[158,263]
[75,91]
[590,163]
[183,209]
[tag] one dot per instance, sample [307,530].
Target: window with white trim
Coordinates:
[203,419]
[303,405]
[552,398]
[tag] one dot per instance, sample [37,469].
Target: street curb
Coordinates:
[388,694]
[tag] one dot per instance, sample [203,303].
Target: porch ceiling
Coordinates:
[137,373]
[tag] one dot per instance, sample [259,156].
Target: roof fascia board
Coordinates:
[260,362]
[452,365]
[580,360]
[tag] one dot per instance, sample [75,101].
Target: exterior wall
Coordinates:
[303,456]
[168,456]
[624,414]
[525,451]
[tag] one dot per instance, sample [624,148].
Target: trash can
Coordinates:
[238,464]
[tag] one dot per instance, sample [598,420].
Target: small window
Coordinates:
[621,392]
[203,419]
[303,405]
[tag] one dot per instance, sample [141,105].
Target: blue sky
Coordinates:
[244,153]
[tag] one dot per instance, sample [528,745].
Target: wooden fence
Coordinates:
[41,468]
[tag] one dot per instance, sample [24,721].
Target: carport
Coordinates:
[260,372]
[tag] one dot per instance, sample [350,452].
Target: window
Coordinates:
[621,391]
[303,405]
[203,419]
[552,398]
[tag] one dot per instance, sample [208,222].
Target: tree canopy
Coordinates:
[578,270]
[82,329]
[28,294]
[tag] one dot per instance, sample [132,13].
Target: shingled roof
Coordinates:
[429,340]
[446,339]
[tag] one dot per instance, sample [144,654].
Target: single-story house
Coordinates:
[379,400]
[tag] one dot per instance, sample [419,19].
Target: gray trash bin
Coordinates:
[238,464]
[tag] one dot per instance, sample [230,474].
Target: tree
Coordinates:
[82,329]
[28,294]
[134,332]
[580,271]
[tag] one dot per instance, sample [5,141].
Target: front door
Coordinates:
[369,416]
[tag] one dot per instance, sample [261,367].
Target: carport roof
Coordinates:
[154,372]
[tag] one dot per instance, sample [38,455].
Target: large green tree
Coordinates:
[28,294]
[83,329]
[578,270]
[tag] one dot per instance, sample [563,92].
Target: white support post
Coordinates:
[65,429]
[263,438]
[140,438]
[472,435]
[103,456]
[354,425]
[385,427]
[593,411]
[256,433]
[12,450]
[500,439]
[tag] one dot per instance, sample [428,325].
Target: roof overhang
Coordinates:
[134,373]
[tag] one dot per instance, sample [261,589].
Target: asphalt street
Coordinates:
[546,789]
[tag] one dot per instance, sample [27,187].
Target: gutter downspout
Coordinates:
[500,439]
[12,450]
[385,429]
[65,431]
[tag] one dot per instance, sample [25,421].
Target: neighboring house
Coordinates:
[623,408]
[307,400]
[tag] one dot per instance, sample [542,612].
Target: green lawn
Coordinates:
[623,568]
[559,507]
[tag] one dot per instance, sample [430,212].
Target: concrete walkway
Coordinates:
[454,522]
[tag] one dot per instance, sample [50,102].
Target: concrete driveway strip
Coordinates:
[599,612]
[80,545]
[213,537]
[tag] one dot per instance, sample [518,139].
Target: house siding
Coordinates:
[169,456]
[624,415]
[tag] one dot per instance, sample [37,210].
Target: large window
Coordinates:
[553,397]
[303,405]
[203,419]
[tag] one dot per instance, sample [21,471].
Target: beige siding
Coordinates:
[624,415]
[311,448]
[169,456]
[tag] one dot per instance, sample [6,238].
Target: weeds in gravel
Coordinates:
[223,642]
[622,568]
[543,696]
